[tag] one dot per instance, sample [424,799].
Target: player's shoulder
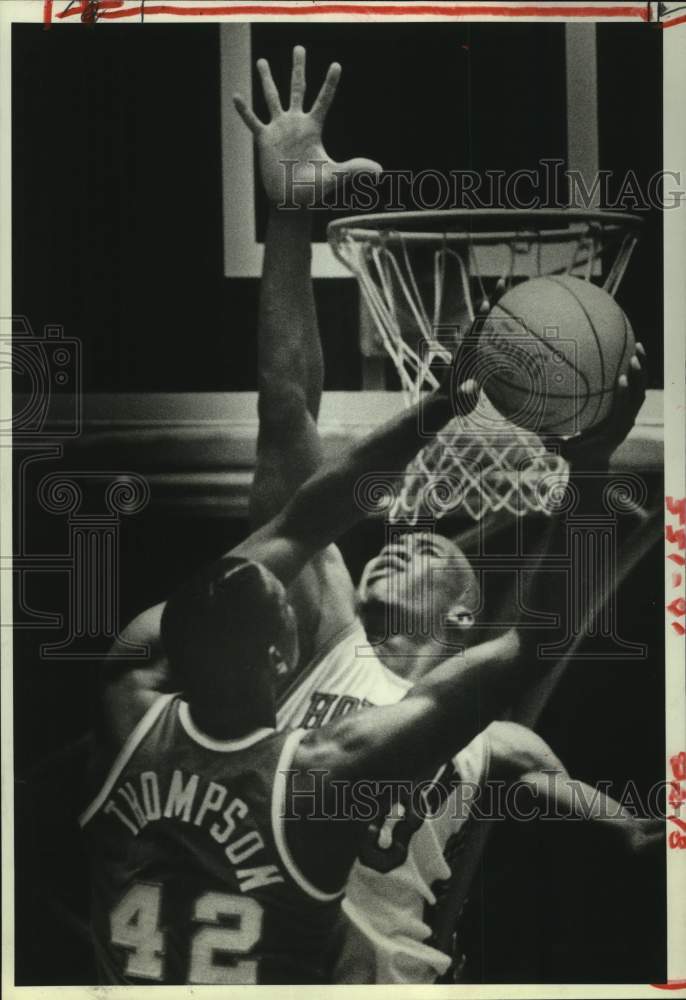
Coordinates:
[337,595]
[134,673]
[143,630]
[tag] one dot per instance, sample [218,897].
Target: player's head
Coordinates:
[420,584]
[229,633]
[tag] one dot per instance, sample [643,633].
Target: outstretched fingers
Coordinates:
[271,94]
[320,108]
[634,378]
[247,114]
[298,79]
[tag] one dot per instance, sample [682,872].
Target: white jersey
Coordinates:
[394,879]
[344,677]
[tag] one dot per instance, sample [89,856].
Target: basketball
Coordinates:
[550,353]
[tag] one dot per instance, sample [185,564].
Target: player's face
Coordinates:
[416,573]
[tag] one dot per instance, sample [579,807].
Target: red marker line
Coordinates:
[673,24]
[364,10]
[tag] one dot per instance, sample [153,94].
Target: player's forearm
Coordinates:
[559,795]
[489,674]
[465,697]
[440,715]
[290,356]
[547,591]
[289,368]
[328,503]
[340,494]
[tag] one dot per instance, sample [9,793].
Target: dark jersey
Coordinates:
[192,878]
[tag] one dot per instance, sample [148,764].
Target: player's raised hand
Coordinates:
[295,167]
[592,449]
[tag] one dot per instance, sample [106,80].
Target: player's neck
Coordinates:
[410,658]
[409,652]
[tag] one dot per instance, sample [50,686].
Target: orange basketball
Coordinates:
[550,353]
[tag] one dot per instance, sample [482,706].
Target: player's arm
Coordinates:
[520,757]
[441,713]
[290,379]
[326,505]
[297,175]
[560,795]
[588,455]
[401,743]
[129,686]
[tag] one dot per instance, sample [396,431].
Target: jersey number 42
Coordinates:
[135,926]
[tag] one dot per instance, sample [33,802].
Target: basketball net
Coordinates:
[426,277]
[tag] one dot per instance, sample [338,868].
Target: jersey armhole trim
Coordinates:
[288,750]
[143,726]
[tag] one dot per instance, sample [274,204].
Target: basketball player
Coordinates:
[416,599]
[196,876]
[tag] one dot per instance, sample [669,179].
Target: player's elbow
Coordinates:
[517,751]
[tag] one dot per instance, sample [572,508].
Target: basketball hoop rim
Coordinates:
[443,225]
[381,250]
